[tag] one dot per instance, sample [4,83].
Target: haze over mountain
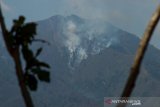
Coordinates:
[90,60]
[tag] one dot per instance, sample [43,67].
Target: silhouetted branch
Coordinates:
[14,52]
[135,69]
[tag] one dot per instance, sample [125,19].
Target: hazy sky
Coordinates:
[129,15]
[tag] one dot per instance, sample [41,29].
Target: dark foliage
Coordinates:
[22,35]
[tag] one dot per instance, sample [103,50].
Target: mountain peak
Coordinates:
[56,17]
[75,18]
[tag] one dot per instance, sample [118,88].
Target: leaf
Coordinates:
[35,70]
[27,53]
[43,64]
[21,20]
[28,32]
[29,28]
[43,75]
[31,82]
[38,51]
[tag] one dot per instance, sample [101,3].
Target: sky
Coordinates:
[129,15]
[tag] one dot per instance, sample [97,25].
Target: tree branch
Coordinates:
[135,69]
[14,52]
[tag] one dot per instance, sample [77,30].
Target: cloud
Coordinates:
[4,6]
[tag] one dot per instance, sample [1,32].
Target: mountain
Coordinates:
[90,60]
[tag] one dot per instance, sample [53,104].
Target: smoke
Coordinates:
[73,43]
[121,13]
[112,41]
[82,54]
[90,37]
[72,39]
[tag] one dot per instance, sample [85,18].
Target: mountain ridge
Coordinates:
[89,60]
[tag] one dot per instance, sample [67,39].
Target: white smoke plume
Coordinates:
[73,44]
[112,41]
[88,38]
[82,54]
[72,40]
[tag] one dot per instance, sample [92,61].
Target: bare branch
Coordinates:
[135,69]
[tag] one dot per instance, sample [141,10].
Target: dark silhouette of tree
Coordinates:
[135,69]
[18,41]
